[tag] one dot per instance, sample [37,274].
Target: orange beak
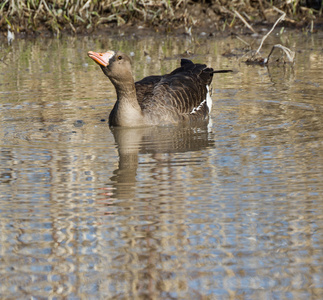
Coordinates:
[101,58]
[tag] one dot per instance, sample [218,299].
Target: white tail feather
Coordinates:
[208,101]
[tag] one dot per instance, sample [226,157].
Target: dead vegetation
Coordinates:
[78,16]
[254,57]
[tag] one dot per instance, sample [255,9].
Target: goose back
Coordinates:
[181,95]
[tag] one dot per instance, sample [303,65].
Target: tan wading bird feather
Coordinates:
[181,96]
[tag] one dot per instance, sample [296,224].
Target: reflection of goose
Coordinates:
[155,141]
[182,95]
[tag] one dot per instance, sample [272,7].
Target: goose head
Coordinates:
[115,65]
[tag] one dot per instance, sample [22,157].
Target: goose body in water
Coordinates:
[181,96]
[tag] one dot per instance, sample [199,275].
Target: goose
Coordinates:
[180,96]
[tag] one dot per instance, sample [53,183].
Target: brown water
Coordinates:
[229,211]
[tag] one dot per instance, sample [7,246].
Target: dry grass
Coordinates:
[80,15]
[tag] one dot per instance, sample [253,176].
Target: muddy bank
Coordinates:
[29,18]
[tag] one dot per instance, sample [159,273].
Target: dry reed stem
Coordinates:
[255,58]
[244,21]
[282,17]
[289,53]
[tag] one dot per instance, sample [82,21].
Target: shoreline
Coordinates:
[177,17]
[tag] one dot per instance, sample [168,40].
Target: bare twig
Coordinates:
[244,21]
[289,53]
[255,56]
[282,17]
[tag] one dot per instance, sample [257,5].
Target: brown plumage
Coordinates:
[181,96]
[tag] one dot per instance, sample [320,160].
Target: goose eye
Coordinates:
[119,57]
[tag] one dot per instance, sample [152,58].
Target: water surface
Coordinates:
[232,210]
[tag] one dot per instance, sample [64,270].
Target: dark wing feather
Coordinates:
[145,87]
[182,90]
